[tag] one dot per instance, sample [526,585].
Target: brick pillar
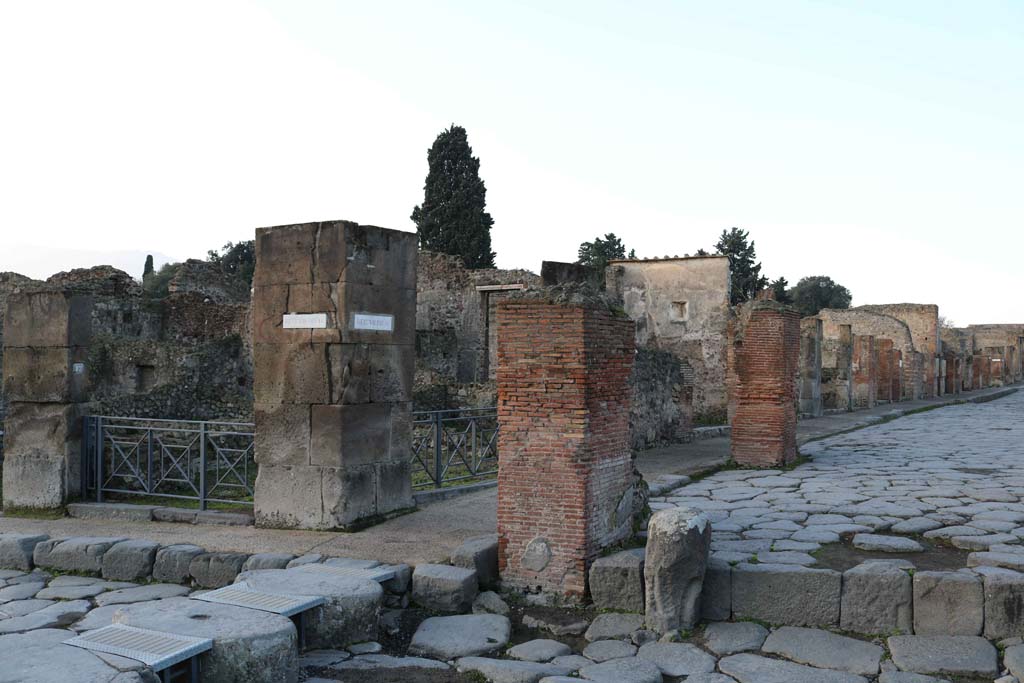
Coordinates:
[864,371]
[885,351]
[334,318]
[810,366]
[767,358]
[45,379]
[565,477]
[897,375]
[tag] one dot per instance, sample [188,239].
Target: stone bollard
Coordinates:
[678,546]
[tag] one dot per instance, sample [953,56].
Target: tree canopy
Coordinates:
[747,280]
[599,252]
[453,217]
[780,292]
[236,259]
[816,292]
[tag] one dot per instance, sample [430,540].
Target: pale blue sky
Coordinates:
[880,143]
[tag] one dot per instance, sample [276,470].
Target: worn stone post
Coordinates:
[767,356]
[810,366]
[334,308]
[45,378]
[565,476]
[864,371]
[885,371]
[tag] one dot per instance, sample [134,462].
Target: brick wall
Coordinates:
[865,379]
[886,369]
[565,482]
[766,356]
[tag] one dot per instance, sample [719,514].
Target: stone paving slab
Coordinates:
[824,650]
[957,655]
[748,668]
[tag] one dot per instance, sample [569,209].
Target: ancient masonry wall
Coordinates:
[810,366]
[879,325]
[886,369]
[923,322]
[766,352]
[565,481]
[333,388]
[837,369]
[865,369]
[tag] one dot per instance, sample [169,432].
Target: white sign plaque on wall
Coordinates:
[78,368]
[304,321]
[373,321]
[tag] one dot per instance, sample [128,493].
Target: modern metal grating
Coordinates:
[156,649]
[379,574]
[244,595]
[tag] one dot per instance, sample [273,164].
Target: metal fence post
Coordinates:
[202,465]
[99,459]
[149,460]
[438,434]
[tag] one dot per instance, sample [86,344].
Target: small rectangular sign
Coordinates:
[78,368]
[304,321]
[373,321]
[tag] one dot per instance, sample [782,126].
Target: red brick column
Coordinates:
[885,350]
[565,483]
[766,352]
[897,375]
[865,377]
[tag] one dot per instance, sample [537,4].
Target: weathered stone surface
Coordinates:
[677,659]
[573,662]
[716,594]
[460,636]
[248,645]
[42,657]
[948,603]
[213,570]
[19,608]
[726,638]
[16,550]
[617,581]
[82,554]
[20,591]
[907,677]
[490,602]
[748,668]
[172,562]
[613,626]
[603,650]
[561,625]
[541,650]
[965,655]
[155,591]
[1004,602]
[1013,659]
[308,558]
[824,649]
[507,671]
[57,615]
[886,544]
[877,598]
[631,670]
[71,592]
[481,555]
[128,512]
[444,588]
[678,547]
[267,561]
[387,663]
[349,614]
[996,559]
[786,594]
[130,560]
[710,678]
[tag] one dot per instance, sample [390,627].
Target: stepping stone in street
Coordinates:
[464,635]
[508,670]
[748,668]
[953,655]
[678,659]
[540,650]
[630,670]
[825,650]
[603,650]
[886,544]
[726,637]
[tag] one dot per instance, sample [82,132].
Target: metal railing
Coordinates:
[208,462]
[450,446]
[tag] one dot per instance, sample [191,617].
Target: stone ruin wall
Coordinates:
[923,322]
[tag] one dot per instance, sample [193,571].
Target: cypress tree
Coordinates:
[147,270]
[747,280]
[453,217]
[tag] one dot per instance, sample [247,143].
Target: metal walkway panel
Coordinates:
[156,649]
[244,595]
[379,574]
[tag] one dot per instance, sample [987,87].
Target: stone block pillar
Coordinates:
[886,354]
[45,378]
[865,380]
[897,375]
[810,366]
[334,317]
[767,358]
[565,476]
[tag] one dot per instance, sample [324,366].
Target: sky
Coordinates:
[878,143]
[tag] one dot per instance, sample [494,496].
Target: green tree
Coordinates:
[156,285]
[598,253]
[747,280]
[453,217]
[237,259]
[816,292]
[779,290]
[147,270]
